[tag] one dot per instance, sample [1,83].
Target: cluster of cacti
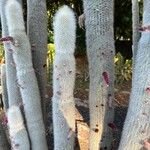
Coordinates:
[25,59]
[101,74]
[23,81]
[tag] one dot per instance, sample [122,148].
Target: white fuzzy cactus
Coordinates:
[63,79]
[4,87]
[13,92]
[100,50]
[26,76]
[137,124]
[18,134]
[37,33]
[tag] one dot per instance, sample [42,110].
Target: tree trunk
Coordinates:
[137,123]
[100,50]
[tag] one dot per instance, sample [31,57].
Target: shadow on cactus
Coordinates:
[123,68]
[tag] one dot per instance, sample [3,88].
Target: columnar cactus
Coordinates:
[4,145]
[17,131]
[135,28]
[4,87]
[37,33]
[14,97]
[137,124]
[63,79]
[100,50]
[25,75]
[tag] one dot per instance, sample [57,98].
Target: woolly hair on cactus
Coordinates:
[37,33]
[100,50]
[4,145]
[14,97]
[17,131]
[137,124]
[4,87]
[63,79]
[26,76]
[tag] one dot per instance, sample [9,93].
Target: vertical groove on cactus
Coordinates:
[100,50]
[26,76]
[18,134]
[14,97]
[63,79]
[4,145]
[135,28]
[137,124]
[4,87]
[37,33]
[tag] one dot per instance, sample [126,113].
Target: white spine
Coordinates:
[18,134]
[4,87]
[137,124]
[26,76]
[63,79]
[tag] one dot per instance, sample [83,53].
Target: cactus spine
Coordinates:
[137,127]
[26,75]
[63,79]
[100,50]
[37,33]
[18,134]
[135,28]
[4,87]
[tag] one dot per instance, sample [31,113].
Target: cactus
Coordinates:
[63,79]
[37,33]
[18,134]
[4,87]
[25,75]
[13,92]
[135,27]
[100,50]
[137,127]
[4,145]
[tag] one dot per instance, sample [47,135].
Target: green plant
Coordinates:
[123,68]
